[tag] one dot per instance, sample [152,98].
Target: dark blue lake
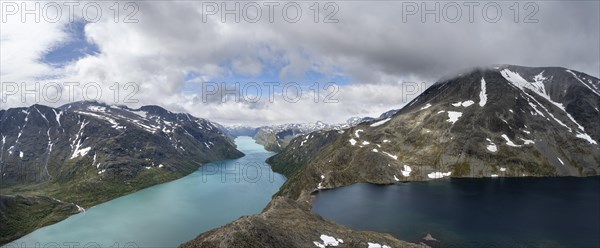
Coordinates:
[498,212]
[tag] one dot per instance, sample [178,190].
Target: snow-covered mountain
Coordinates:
[87,143]
[277,137]
[489,122]
[85,153]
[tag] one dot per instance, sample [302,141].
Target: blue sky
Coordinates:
[76,47]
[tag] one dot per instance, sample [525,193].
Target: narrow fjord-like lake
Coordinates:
[499,212]
[172,213]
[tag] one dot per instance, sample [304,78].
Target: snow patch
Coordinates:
[80,152]
[494,175]
[467,103]
[502,169]
[426,106]
[395,178]
[352,141]
[464,104]
[453,116]
[79,208]
[528,142]
[482,94]
[406,171]
[578,79]
[114,124]
[43,116]
[140,113]
[587,137]
[538,87]
[319,186]
[492,148]
[437,174]
[328,241]
[356,133]
[376,245]
[77,142]
[509,142]
[96,108]
[536,110]
[560,160]
[392,156]
[381,122]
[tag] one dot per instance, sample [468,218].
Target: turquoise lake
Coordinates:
[172,213]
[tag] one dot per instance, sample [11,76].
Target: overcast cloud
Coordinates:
[170,52]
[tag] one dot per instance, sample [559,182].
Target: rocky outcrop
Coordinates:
[286,223]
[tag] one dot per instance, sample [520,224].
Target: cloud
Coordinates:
[333,105]
[172,50]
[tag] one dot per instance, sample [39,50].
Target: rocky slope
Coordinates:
[20,214]
[276,138]
[87,152]
[284,223]
[487,122]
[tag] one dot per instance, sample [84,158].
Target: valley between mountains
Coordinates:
[500,121]
[497,121]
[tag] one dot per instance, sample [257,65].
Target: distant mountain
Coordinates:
[276,138]
[387,114]
[236,130]
[88,152]
[489,122]
[353,121]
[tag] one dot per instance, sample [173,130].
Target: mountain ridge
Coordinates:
[86,153]
[444,132]
[482,124]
